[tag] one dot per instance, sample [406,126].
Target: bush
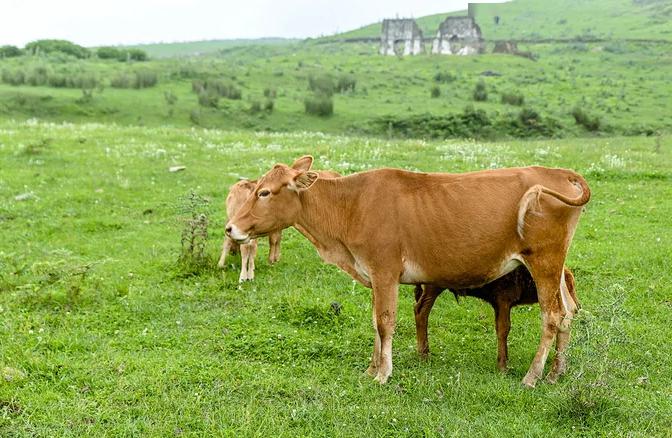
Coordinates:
[255,107]
[137,80]
[515,99]
[10,51]
[270,93]
[435,91]
[322,84]
[269,105]
[208,98]
[480,92]
[591,123]
[122,80]
[110,53]
[137,55]
[346,83]
[62,46]
[39,76]
[145,79]
[319,105]
[444,77]
[216,86]
[16,77]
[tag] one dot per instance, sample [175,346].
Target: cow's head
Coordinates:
[274,204]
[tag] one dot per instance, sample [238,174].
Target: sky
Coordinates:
[112,22]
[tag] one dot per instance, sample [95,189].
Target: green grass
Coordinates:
[623,84]
[105,334]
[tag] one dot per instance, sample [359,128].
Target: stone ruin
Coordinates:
[458,36]
[401,37]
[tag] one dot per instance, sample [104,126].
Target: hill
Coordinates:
[195,48]
[562,19]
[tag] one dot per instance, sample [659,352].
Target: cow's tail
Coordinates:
[532,195]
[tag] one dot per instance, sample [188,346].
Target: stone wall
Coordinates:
[458,36]
[401,37]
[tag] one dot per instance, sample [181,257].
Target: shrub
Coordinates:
[15,77]
[62,46]
[435,91]
[10,51]
[255,107]
[270,93]
[513,98]
[269,105]
[346,83]
[208,98]
[39,76]
[137,79]
[145,79]
[591,123]
[110,53]
[137,55]
[322,84]
[444,77]
[122,80]
[319,105]
[216,86]
[480,92]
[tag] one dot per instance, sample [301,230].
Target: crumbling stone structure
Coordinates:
[458,36]
[401,37]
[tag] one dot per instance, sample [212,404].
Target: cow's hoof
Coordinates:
[371,371]
[381,378]
[529,381]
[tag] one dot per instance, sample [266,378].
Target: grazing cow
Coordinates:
[513,289]
[473,228]
[238,193]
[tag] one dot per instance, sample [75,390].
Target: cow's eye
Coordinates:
[263,193]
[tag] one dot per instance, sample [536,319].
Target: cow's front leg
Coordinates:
[385,308]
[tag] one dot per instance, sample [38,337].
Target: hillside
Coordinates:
[561,19]
[194,48]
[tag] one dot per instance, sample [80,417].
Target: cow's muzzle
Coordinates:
[236,235]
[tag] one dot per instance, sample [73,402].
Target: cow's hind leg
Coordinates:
[425,296]
[372,370]
[569,308]
[547,280]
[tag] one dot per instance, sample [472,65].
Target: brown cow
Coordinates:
[474,228]
[513,289]
[238,193]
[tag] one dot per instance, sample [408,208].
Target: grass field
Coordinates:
[104,333]
[624,85]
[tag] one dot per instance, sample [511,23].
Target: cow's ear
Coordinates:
[303,180]
[303,164]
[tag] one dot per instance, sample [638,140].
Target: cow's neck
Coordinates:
[324,207]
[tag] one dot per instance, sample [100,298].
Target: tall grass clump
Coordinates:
[319,105]
[193,212]
[138,79]
[346,83]
[513,98]
[321,84]
[480,92]
[435,91]
[591,123]
[219,87]
[444,77]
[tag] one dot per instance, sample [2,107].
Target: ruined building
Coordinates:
[458,36]
[401,37]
